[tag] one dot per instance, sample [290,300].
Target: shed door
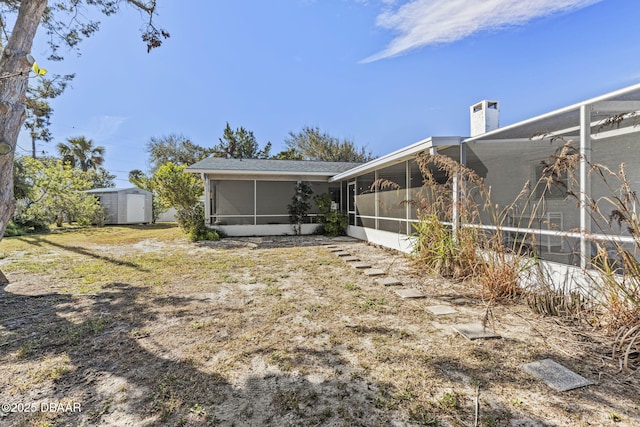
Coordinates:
[135,207]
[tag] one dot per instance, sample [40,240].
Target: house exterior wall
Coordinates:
[511,171]
[546,219]
[389,197]
[258,205]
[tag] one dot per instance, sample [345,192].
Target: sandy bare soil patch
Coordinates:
[137,326]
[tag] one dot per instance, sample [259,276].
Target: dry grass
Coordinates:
[273,331]
[614,302]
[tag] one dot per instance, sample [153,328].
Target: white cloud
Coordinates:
[425,22]
[102,128]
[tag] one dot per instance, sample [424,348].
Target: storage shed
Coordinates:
[125,205]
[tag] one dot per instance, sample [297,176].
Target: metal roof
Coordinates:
[270,166]
[566,121]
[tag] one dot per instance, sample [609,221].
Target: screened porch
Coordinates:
[259,202]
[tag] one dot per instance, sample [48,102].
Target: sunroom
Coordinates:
[554,183]
[566,180]
[250,197]
[379,196]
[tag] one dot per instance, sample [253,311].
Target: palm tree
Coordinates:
[80,152]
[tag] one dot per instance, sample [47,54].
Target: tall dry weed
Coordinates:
[504,257]
[614,265]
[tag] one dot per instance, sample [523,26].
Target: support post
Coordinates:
[407,196]
[585,184]
[376,201]
[207,199]
[456,192]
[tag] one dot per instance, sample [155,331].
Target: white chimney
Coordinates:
[485,117]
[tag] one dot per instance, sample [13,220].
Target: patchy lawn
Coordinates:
[135,326]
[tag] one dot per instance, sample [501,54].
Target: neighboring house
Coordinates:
[124,205]
[605,130]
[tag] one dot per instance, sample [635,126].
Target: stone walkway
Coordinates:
[350,251]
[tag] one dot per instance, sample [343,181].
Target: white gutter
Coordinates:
[251,173]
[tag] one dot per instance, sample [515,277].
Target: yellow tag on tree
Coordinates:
[39,71]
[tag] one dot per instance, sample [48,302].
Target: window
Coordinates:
[549,184]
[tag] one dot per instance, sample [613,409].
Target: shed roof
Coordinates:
[270,166]
[114,190]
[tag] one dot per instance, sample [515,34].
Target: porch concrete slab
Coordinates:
[351,259]
[373,272]
[441,310]
[360,265]
[555,375]
[342,253]
[410,293]
[388,281]
[474,331]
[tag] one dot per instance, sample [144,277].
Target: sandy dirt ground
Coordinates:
[276,331]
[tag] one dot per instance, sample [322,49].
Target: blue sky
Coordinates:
[382,73]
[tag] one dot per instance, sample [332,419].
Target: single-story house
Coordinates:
[130,205]
[249,197]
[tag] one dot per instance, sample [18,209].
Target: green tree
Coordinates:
[176,187]
[53,192]
[101,178]
[66,25]
[38,109]
[290,154]
[240,144]
[80,153]
[183,191]
[176,149]
[315,145]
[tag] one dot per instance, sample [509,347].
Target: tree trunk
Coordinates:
[15,66]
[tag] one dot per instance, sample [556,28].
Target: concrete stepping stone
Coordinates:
[555,375]
[388,281]
[474,331]
[360,265]
[373,272]
[351,259]
[410,293]
[441,310]
[334,248]
[342,253]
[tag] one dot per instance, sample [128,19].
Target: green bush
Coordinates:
[334,223]
[14,229]
[299,206]
[191,220]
